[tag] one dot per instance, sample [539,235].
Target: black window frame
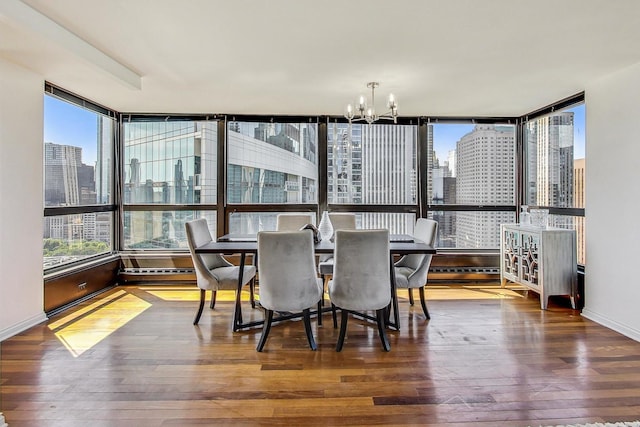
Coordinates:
[81,102]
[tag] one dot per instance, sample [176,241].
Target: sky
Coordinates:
[67,124]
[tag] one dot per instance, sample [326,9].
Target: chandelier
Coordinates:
[367,112]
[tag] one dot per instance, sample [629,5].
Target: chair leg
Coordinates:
[410,290]
[320,313]
[334,316]
[252,292]
[202,298]
[380,314]
[423,301]
[387,314]
[307,327]
[266,327]
[343,329]
[213,299]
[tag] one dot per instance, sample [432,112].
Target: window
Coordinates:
[170,167]
[170,162]
[272,163]
[78,180]
[471,167]
[555,149]
[372,164]
[555,168]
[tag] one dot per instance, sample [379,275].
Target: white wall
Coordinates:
[21,135]
[612,280]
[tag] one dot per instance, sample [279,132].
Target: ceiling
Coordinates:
[301,57]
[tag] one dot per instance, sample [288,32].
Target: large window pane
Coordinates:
[78,172]
[470,229]
[272,163]
[555,152]
[78,155]
[396,223]
[555,167]
[372,164]
[70,238]
[249,223]
[161,229]
[170,162]
[572,223]
[472,165]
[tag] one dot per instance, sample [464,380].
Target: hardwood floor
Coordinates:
[487,357]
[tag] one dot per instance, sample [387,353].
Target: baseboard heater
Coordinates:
[188,274]
[136,275]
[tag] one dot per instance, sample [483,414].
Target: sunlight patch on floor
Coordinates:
[87,327]
[177,294]
[458,292]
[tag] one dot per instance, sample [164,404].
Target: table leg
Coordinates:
[394,298]
[237,315]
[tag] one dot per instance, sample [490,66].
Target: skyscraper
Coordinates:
[485,175]
[69,182]
[374,164]
[550,154]
[61,167]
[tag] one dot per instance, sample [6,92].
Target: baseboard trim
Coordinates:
[611,324]
[22,326]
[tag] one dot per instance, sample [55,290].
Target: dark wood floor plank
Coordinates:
[482,362]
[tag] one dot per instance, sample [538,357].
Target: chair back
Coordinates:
[197,235]
[287,269]
[361,271]
[425,230]
[343,221]
[293,222]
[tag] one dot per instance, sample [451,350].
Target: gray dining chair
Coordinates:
[361,277]
[213,271]
[339,221]
[293,222]
[412,270]
[288,279]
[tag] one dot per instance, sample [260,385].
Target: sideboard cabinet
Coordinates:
[541,259]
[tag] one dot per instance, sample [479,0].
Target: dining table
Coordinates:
[230,244]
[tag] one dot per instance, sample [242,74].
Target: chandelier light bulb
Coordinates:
[362,104]
[392,102]
[349,112]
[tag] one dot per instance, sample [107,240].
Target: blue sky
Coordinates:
[579,131]
[67,124]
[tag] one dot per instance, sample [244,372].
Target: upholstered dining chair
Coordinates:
[293,222]
[213,271]
[411,271]
[339,221]
[361,277]
[288,279]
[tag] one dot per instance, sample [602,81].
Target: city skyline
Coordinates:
[175,162]
[59,113]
